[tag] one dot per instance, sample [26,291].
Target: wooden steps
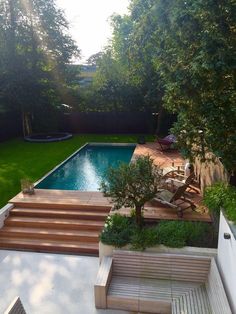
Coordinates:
[54,223]
[41,227]
[50,234]
[55,213]
[75,247]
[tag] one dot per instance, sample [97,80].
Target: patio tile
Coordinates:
[49,283]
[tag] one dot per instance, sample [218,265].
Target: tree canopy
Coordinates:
[35,47]
[132,185]
[181,56]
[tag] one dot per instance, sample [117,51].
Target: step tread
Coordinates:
[48,231]
[88,208]
[54,221]
[46,211]
[61,206]
[48,243]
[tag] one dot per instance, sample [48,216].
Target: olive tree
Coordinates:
[132,185]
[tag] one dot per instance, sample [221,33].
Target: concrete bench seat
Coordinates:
[160,283]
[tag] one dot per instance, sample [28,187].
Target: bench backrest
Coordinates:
[161,266]
[215,291]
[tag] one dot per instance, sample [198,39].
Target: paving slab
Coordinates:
[49,283]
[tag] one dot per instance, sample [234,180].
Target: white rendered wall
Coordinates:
[227,261]
[4,213]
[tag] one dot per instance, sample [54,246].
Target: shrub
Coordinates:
[172,233]
[185,233]
[143,238]
[120,230]
[221,195]
[117,230]
[200,234]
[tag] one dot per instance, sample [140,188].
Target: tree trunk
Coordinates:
[159,120]
[26,124]
[138,210]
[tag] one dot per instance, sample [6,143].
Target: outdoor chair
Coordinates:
[176,178]
[15,307]
[170,199]
[166,142]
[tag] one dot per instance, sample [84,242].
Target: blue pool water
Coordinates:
[85,170]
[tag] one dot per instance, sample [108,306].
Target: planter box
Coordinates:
[107,250]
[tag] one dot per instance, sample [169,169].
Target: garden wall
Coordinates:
[226,258]
[10,126]
[109,122]
[209,172]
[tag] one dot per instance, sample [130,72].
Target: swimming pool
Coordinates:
[85,169]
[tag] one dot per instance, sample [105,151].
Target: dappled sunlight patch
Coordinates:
[51,283]
[20,277]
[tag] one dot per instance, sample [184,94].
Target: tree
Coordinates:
[111,90]
[180,55]
[132,185]
[94,59]
[35,48]
[195,57]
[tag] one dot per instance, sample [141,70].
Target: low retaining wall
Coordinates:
[4,213]
[107,250]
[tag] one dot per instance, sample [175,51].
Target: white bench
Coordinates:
[160,283]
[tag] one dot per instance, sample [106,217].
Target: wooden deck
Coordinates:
[161,158]
[62,221]
[155,211]
[62,197]
[65,199]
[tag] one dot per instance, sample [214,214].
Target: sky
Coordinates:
[89,22]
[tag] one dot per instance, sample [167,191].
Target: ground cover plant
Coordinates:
[121,230]
[19,159]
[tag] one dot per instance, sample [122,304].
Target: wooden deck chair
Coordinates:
[166,142]
[168,198]
[15,307]
[176,179]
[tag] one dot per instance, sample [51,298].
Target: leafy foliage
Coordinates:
[132,185]
[34,49]
[180,55]
[120,230]
[143,238]
[221,196]
[117,230]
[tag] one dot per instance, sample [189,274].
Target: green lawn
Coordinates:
[19,159]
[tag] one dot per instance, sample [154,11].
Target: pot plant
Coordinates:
[132,185]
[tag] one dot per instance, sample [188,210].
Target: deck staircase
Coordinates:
[54,228]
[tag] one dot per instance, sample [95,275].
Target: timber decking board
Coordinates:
[53,213]
[96,201]
[55,223]
[61,197]
[76,235]
[63,226]
[49,246]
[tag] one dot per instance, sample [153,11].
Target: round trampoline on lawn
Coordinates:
[48,137]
